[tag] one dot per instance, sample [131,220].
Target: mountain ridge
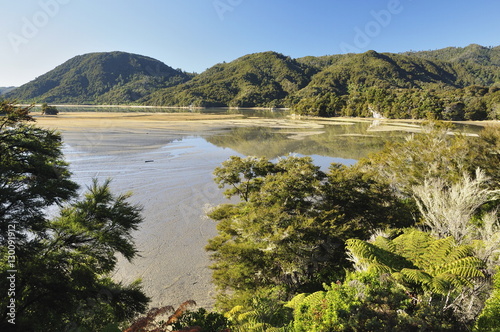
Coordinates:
[100,77]
[326,85]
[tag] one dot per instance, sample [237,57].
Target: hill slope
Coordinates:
[486,56]
[259,79]
[404,86]
[103,78]
[270,79]
[451,83]
[4,90]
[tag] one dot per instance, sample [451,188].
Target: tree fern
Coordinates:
[438,266]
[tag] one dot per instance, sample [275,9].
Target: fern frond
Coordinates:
[468,265]
[296,300]
[231,313]
[385,243]
[314,298]
[439,285]
[412,245]
[456,282]
[416,276]
[461,252]
[367,256]
[437,252]
[379,268]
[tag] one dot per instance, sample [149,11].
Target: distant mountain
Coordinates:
[100,78]
[397,71]
[4,90]
[450,83]
[474,53]
[260,79]
[271,79]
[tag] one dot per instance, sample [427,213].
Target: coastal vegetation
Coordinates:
[49,110]
[55,271]
[447,84]
[407,239]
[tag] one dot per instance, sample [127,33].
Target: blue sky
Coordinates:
[38,35]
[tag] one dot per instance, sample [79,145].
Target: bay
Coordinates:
[168,169]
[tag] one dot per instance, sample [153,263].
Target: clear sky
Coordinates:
[38,35]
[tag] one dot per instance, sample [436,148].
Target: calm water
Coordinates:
[334,141]
[170,175]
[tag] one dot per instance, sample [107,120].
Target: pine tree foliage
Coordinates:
[63,264]
[34,175]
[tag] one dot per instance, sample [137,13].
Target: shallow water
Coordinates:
[170,175]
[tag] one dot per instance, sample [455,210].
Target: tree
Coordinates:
[437,152]
[448,208]
[49,110]
[34,175]
[288,231]
[366,301]
[427,267]
[61,266]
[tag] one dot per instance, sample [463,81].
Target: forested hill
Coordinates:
[486,56]
[4,90]
[451,83]
[260,79]
[100,78]
[271,79]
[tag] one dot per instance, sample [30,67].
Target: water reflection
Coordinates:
[272,134]
[346,140]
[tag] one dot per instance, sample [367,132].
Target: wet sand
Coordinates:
[182,122]
[161,159]
[164,161]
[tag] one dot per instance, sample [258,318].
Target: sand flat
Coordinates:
[175,188]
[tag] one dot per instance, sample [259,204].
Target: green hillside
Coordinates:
[473,53]
[260,79]
[4,90]
[450,83]
[402,86]
[100,78]
[394,85]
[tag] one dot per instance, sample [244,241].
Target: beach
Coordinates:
[162,160]
[165,162]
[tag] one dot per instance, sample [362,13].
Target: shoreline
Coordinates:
[182,120]
[158,106]
[175,190]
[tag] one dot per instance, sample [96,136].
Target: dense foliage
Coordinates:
[394,85]
[55,272]
[261,79]
[297,229]
[448,84]
[288,232]
[49,110]
[100,78]
[367,302]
